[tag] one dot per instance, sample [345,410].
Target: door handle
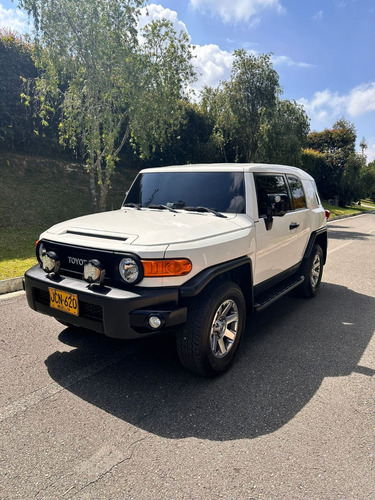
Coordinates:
[293,225]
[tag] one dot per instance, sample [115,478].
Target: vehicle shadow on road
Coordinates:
[288,351]
[339,233]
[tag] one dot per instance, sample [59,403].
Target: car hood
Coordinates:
[117,230]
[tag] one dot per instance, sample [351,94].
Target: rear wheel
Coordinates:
[312,270]
[216,321]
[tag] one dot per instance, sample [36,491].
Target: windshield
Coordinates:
[220,191]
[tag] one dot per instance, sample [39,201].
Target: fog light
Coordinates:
[93,272]
[155,321]
[50,262]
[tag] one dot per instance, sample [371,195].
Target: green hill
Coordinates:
[36,193]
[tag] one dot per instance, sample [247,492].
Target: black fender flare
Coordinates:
[196,284]
[319,236]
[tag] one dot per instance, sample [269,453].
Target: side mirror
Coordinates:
[278,203]
[270,211]
[277,206]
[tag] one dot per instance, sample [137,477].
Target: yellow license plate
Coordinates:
[63,301]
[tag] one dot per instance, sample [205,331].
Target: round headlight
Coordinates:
[41,251]
[129,270]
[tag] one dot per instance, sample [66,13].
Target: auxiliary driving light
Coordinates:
[93,272]
[50,262]
[154,321]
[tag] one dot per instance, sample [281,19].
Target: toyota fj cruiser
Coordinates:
[192,250]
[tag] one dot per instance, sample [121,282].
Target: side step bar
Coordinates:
[267,298]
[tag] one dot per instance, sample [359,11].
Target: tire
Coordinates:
[312,270]
[209,340]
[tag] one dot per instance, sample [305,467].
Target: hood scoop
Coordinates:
[97,236]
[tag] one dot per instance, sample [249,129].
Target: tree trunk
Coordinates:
[92,181]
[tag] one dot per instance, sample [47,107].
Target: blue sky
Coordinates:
[323,50]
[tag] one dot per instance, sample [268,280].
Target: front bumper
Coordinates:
[115,312]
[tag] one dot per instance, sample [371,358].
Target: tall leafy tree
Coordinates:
[214,106]
[239,107]
[252,94]
[342,174]
[284,134]
[106,85]
[368,180]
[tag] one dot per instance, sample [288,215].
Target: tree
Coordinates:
[190,142]
[252,94]
[284,134]
[351,185]
[105,84]
[214,106]
[16,130]
[368,181]
[363,146]
[341,176]
[314,163]
[238,108]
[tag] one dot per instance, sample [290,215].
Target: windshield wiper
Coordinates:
[132,205]
[205,209]
[165,207]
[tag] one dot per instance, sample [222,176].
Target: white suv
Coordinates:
[192,250]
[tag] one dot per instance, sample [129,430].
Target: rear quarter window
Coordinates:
[297,192]
[312,195]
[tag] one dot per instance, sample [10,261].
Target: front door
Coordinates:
[280,245]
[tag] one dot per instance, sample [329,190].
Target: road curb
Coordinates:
[11,285]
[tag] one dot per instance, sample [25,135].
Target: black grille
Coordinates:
[86,310]
[72,258]
[42,296]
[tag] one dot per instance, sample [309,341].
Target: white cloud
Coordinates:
[213,65]
[287,61]
[236,10]
[326,106]
[318,16]
[154,12]
[361,99]
[13,19]
[370,153]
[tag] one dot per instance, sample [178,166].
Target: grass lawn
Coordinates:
[365,206]
[17,250]
[37,193]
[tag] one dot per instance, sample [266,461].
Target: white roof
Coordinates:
[232,167]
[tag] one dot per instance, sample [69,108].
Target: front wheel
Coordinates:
[209,340]
[312,270]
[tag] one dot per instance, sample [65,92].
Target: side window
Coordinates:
[271,185]
[297,191]
[312,195]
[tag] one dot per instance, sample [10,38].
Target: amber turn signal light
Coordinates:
[169,267]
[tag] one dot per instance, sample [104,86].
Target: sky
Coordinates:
[323,50]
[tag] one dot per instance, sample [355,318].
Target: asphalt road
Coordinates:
[89,418]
